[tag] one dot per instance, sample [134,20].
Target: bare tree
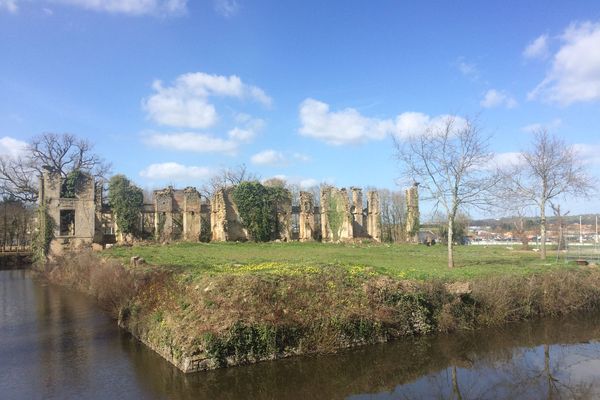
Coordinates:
[450,161]
[62,152]
[549,169]
[228,177]
[393,216]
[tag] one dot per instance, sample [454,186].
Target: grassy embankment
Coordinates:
[211,305]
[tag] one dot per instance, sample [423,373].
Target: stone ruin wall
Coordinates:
[225,222]
[179,214]
[306,221]
[412,213]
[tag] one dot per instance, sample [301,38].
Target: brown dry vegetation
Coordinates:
[204,321]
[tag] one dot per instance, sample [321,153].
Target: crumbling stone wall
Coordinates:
[412,213]
[358,224]
[192,220]
[74,218]
[163,208]
[306,221]
[284,219]
[374,215]
[336,218]
[225,219]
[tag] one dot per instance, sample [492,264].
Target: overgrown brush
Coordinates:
[106,280]
[209,321]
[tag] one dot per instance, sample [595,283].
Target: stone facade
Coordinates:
[76,219]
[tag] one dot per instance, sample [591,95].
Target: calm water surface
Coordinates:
[56,344]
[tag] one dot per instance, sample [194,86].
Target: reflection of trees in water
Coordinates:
[486,364]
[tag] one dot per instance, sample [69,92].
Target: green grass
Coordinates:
[400,261]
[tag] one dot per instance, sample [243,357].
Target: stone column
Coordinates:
[343,208]
[325,200]
[191,214]
[374,216]
[412,213]
[357,212]
[306,220]
[218,217]
[284,218]
[163,219]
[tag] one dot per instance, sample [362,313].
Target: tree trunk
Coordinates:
[543,231]
[450,243]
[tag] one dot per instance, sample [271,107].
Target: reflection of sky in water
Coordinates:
[565,371]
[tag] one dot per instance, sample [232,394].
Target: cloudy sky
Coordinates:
[172,90]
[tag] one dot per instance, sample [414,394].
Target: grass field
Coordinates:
[400,261]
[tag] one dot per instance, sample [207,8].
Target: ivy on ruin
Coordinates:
[258,206]
[126,201]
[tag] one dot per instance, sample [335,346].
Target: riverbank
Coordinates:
[208,313]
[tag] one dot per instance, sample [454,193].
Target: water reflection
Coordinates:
[55,343]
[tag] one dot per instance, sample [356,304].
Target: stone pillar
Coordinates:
[343,203]
[357,212]
[284,218]
[374,215]
[163,219]
[218,217]
[191,214]
[325,202]
[306,220]
[412,213]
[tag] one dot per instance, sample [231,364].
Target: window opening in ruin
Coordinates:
[67,222]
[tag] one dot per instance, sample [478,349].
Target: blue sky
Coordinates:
[172,90]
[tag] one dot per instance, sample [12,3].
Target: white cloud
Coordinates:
[575,72]
[504,159]
[175,172]
[189,141]
[554,124]
[269,157]
[186,103]
[588,153]
[9,5]
[410,124]
[495,98]
[308,183]
[250,128]
[227,8]
[130,7]
[348,126]
[537,48]
[340,127]
[12,148]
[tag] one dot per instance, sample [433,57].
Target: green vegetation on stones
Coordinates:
[40,244]
[126,201]
[257,205]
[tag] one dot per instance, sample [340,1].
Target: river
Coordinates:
[57,344]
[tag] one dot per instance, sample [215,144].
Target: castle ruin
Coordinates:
[83,218]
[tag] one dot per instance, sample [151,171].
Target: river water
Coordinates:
[56,344]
